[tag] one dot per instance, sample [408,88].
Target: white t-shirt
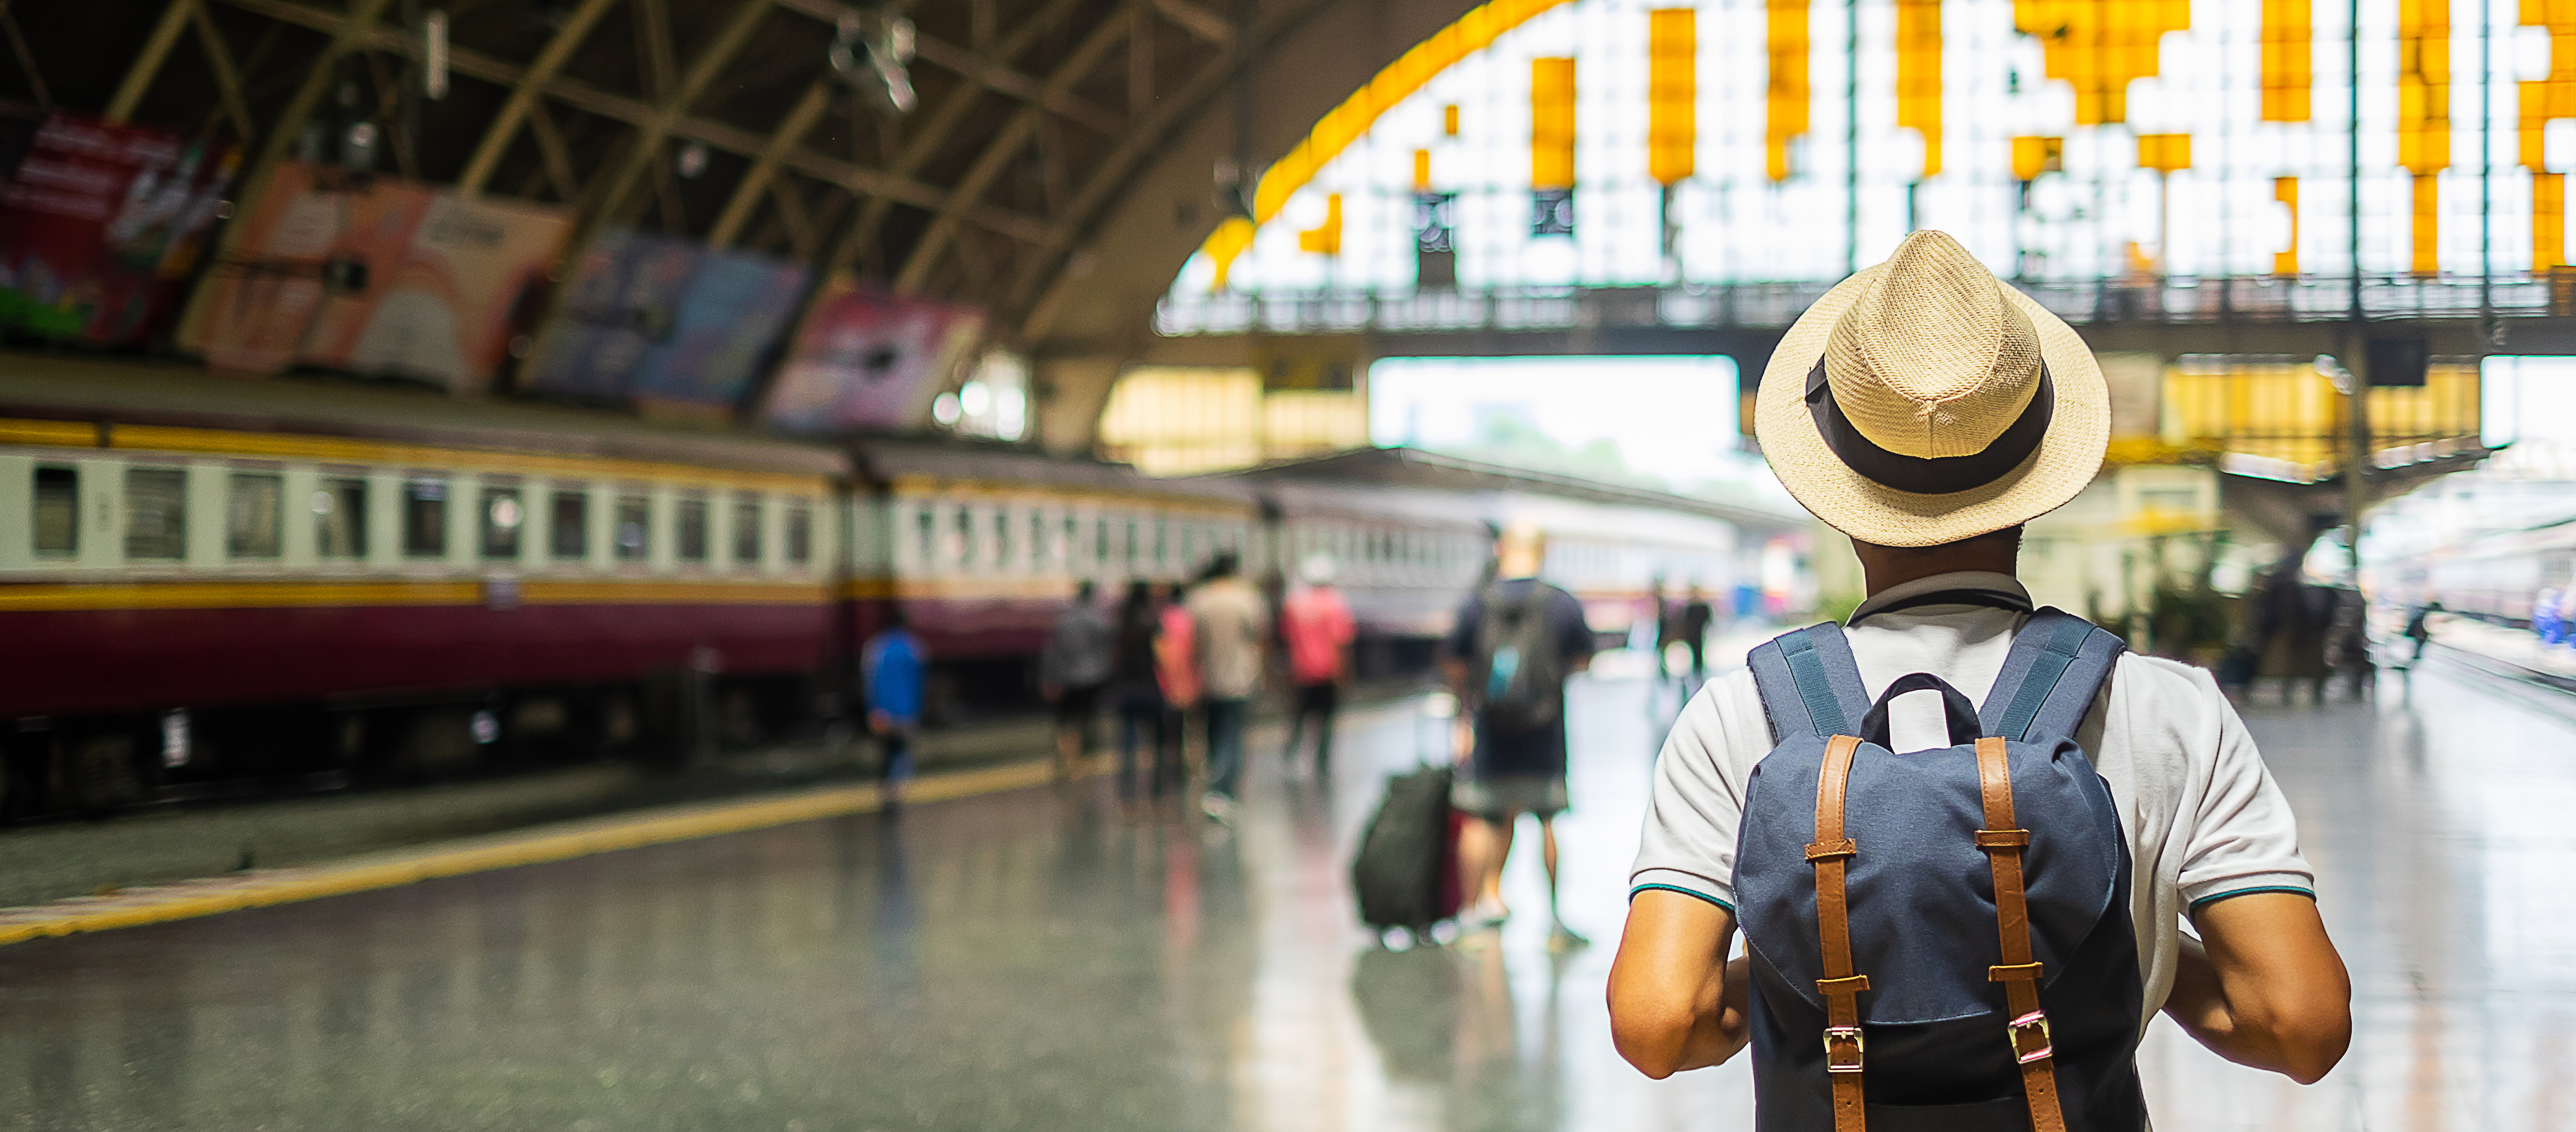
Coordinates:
[2205,820]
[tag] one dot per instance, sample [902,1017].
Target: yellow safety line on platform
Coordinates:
[392,869]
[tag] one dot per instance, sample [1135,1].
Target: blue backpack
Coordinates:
[1973,968]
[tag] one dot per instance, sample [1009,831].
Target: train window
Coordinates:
[340,517]
[965,539]
[1100,542]
[57,506]
[1189,543]
[425,517]
[634,526]
[929,536]
[746,530]
[1072,538]
[693,529]
[1133,544]
[503,516]
[800,533]
[570,537]
[1002,537]
[156,513]
[1037,540]
[1162,543]
[254,515]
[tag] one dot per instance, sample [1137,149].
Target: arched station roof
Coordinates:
[1056,169]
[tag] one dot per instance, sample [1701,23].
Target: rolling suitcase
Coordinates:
[1406,871]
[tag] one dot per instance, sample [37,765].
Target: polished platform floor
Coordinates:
[1035,960]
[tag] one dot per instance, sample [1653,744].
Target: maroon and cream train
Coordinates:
[204,578]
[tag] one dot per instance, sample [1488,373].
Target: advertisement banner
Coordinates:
[623,297]
[100,224]
[867,360]
[375,275]
[732,318]
[664,325]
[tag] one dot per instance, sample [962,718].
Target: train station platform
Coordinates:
[1027,956]
[2516,654]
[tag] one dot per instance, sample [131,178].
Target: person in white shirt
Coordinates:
[1928,410]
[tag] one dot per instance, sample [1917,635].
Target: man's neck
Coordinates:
[1885,571]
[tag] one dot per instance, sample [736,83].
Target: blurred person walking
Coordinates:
[1517,641]
[1663,628]
[1693,625]
[2348,641]
[1233,625]
[1135,680]
[1072,669]
[1316,622]
[1974,934]
[1176,669]
[2418,631]
[893,669]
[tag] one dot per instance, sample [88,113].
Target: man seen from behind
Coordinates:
[1516,643]
[1072,670]
[1232,626]
[1316,622]
[893,669]
[2028,880]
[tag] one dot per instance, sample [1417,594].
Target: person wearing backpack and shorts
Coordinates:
[1517,641]
[1975,934]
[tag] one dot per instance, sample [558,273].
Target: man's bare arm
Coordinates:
[1675,1002]
[2264,987]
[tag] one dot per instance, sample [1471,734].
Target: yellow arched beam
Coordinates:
[1335,132]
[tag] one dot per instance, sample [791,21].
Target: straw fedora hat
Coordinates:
[1924,401]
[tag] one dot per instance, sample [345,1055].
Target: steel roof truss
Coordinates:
[789,134]
[1085,59]
[524,89]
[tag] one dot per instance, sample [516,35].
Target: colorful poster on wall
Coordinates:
[735,310]
[374,275]
[100,224]
[664,325]
[622,300]
[866,360]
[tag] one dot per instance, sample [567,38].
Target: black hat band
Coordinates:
[1939,475]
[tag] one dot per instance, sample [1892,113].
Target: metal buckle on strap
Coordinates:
[2033,1024]
[1850,1036]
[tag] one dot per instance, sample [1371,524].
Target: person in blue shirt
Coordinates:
[892,667]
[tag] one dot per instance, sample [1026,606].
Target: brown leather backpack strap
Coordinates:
[2027,1033]
[1831,854]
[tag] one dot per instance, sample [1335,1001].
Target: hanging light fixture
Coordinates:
[876,61]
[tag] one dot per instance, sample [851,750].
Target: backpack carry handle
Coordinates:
[1962,714]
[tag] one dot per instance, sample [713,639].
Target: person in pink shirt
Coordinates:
[1176,673]
[1316,623]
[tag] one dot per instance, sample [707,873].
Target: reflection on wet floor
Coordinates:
[2438,822]
[1032,960]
